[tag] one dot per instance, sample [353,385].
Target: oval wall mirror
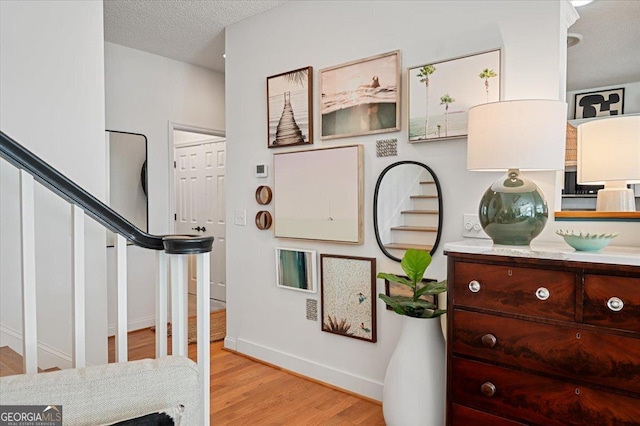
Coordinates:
[407,209]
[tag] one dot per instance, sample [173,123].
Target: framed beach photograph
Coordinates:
[361,97]
[602,103]
[289,108]
[348,299]
[296,269]
[320,194]
[441,93]
[394,289]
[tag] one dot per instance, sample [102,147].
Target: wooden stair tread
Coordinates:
[11,363]
[403,246]
[423,196]
[419,212]
[427,182]
[415,228]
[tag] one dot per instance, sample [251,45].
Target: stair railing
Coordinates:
[172,250]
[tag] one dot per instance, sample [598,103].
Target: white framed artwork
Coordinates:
[296,269]
[319,194]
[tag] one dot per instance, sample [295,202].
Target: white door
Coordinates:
[200,208]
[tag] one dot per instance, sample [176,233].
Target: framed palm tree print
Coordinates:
[441,93]
[289,108]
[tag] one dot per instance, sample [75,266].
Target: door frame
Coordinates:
[185,128]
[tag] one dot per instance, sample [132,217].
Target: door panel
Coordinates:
[200,203]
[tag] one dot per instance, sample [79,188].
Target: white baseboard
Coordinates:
[341,379]
[230,343]
[48,356]
[137,324]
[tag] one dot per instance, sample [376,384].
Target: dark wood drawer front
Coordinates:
[513,290]
[600,304]
[602,359]
[465,416]
[538,400]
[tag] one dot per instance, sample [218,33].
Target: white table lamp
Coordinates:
[609,155]
[513,136]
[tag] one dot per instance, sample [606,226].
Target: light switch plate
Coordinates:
[471,227]
[240,217]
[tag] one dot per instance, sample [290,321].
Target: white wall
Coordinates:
[145,92]
[268,322]
[52,85]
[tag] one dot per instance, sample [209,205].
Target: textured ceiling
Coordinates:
[609,52]
[187,31]
[192,31]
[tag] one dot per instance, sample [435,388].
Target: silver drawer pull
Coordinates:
[542,293]
[489,340]
[474,286]
[488,389]
[615,304]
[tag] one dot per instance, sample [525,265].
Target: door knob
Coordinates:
[197,228]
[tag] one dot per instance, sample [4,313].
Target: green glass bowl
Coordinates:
[585,241]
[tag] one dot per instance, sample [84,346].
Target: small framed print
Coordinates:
[296,269]
[348,296]
[602,103]
[289,108]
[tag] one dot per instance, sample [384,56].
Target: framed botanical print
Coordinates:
[348,296]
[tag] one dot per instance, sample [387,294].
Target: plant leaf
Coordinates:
[414,263]
[433,288]
[396,279]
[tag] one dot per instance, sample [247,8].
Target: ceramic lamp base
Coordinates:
[616,197]
[513,210]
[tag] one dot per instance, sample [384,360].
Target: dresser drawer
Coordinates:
[516,290]
[465,416]
[537,400]
[599,358]
[612,302]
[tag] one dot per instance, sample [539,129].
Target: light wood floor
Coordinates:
[246,392]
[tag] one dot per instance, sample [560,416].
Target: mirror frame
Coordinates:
[375,206]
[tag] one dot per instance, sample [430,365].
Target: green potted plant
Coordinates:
[414,264]
[417,365]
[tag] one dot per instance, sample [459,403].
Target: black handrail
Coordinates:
[51,178]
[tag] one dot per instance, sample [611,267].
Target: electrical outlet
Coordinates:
[240,217]
[471,227]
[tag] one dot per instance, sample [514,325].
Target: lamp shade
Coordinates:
[609,150]
[521,134]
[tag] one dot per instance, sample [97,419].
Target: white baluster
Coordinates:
[203,332]
[161,306]
[178,305]
[121,296]
[29,311]
[78,288]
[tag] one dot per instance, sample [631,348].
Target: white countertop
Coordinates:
[618,255]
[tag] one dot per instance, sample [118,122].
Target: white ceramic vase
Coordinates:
[414,386]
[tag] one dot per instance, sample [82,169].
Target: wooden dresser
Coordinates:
[540,338]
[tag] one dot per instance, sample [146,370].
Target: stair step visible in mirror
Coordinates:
[421,218]
[402,246]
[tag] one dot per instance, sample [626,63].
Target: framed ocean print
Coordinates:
[296,269]
[289,108]
[319,194]
[602,103]
[441,93]
[348,299]
[361,97]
